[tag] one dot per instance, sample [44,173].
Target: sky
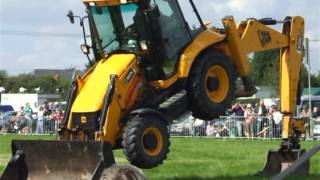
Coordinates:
[22,54]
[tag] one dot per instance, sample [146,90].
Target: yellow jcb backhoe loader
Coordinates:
[153,61]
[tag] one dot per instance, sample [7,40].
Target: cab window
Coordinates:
[192,20]
[174,32]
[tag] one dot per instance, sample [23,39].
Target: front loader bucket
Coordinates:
[278,161]
[39,159]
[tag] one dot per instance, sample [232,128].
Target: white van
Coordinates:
[315,101]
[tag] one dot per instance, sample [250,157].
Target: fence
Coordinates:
[240,127]
[224,127]
[31,125]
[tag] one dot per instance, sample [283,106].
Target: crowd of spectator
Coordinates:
[247,120]
[46,119]
[258,120]
[243,120]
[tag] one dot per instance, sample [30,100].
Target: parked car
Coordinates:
[181,129]
[315,101]
[316,126]
[187,125]
[5,108]
[6,117]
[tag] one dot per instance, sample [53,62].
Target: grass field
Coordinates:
[199,158]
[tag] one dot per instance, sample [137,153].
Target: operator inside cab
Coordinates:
[155,31]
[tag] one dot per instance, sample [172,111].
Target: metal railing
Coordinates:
[29,125]
[223,127]
[240,127]
[316,128]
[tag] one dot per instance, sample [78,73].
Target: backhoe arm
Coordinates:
[290,66]
[253,36]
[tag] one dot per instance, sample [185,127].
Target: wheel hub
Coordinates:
[213,83]
[217,83]
[150,141]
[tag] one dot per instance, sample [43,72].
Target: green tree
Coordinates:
[47,84]
[315,80]
[265,69]
[265,66]
[3,77]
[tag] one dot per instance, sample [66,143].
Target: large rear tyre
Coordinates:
[211,85]
[146,141]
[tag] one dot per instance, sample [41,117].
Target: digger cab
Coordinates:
[156,31]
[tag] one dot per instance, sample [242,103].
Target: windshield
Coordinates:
[115,27]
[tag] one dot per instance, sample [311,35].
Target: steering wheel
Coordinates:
[129,37]
[129,33]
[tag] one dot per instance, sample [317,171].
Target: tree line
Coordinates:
[265,66]
[48,84]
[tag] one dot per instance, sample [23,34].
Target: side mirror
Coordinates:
[85,49]
[71,16]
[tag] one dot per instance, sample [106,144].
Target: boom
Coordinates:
[253,36]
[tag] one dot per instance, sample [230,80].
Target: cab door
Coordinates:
[175,33]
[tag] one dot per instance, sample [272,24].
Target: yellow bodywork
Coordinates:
[90,98]
[114,102]
[290,66]
[201,42]
[236,43]
[248,37]
[94,86]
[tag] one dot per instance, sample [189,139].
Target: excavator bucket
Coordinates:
[279,160]
[39,159]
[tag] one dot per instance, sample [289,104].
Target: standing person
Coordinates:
[51,121]
[261,112]
[305,115]
[58,116]
[249,115]
[46,109]
[210,129]
[272,125]
[46,115]
[304,111]
[17,119]
[41,112]
[277,117]
[27,111]
[238,111]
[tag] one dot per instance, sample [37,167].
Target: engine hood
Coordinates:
[91,95]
